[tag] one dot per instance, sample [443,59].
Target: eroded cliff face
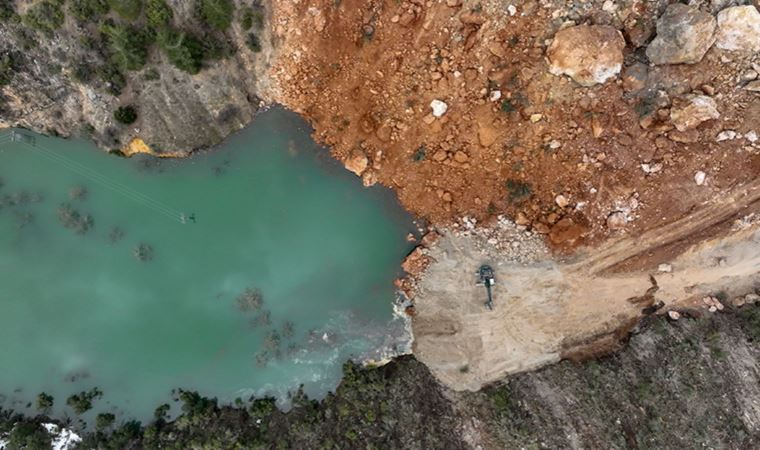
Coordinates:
[61,81]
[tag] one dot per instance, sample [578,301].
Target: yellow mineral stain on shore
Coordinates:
[137,145]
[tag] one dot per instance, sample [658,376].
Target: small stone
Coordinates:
[616,220]
[674,315]
[494,96]
[738,302]
[521,219]
[684,137]
[561,201]
[725,135]
[635,77]
[753,86]
[749,75]
[739,29]
[439,108]
[712,309]
[751,136]
[536,117]
[511,10]
[461,157]
[684,34]
[699,108]
[356,163]
[440,156]
[665,268]
[751,298]
[588,54]
[446,197]
[699,178]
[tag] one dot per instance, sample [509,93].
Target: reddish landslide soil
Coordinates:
[365,72]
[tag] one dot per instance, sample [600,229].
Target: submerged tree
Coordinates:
[288,329]
[82,402]
[250,300]
[78,193]
[74,220]
[44,401]
[115,235]
[261,320]
[143,252]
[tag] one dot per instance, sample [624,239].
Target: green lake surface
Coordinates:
[272,212]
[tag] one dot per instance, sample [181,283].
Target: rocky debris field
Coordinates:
[581,121]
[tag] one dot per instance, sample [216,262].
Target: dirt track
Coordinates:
[548,310]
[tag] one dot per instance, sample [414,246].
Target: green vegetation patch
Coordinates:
[7,10]
[128,45]
[184,51]
[128,9]
[8,65]
[217,13]
[82,402]
[88,10]
[125,114]
[158,14]
[46,16]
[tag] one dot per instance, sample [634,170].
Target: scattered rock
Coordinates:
[635,77]
[616,220]
[587,54]
[439,108]
[487,134]
[356,163]
[739,29]
[674,315]
[536,117]
[561,201]
[665,268]
[416,262]
[749,75]
[684,137]
[699,108]
[726,135]
[699,178]
[566,231]
[684,34]
[753,86]
[429,238]
[751,299]
[461,157]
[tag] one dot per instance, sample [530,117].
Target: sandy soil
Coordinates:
[545,310]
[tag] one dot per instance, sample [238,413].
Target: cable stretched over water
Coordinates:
[93,175]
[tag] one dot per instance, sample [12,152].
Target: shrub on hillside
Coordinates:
[158,13]
[217,13]
[183,50]
[125,114]
[127,9]
[88,10]
[46,16]
[128,45]
[253,42]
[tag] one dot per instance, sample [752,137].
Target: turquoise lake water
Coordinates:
[127,274]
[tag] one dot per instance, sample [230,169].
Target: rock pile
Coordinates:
[588,54]
[684,34]
[739,29]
